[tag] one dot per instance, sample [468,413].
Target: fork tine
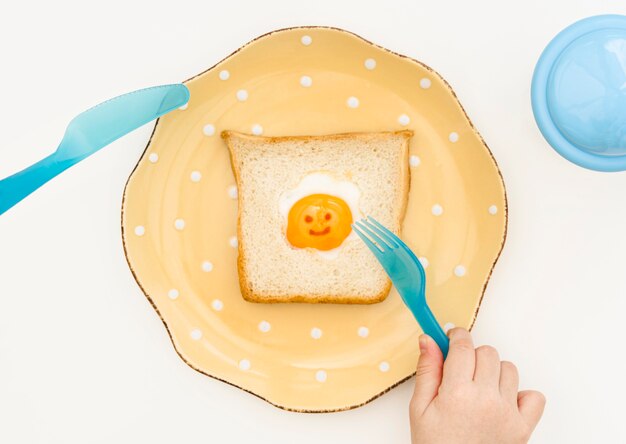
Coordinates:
[373,235]
[371,245]
[399,241]
[383,231]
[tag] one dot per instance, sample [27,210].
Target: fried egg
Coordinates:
[317,214]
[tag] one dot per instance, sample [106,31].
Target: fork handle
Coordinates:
[431,327]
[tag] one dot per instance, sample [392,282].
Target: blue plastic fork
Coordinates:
[90,131]
[406,273]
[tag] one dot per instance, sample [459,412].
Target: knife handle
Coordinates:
[16,187]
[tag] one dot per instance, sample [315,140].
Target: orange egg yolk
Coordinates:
[319,221]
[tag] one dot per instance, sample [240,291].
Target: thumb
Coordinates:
[531,404]
[428,375]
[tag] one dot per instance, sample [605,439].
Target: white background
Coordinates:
[85,359]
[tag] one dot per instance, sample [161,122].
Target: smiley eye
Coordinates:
[327,216]
[308,219]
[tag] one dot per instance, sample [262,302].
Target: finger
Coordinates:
[428,375]
[487,366]
[459,365]
[531,404]
[509,381]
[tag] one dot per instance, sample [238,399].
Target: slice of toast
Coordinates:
[270,268]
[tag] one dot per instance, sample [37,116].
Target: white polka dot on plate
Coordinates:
[425,83]
[173,294]
[414,161]
[195,176]
[424,262]
[404,120]
[244,365]
[184,107]
[306,40]
[264,326]
[384,366]
[437,210]
[370,64]
[352,102]
[140,230]
[207,266]
[257,129]
[449,326]
[217,305]
[179,224]
[196,334]
[242,95]
[208,130]
[459,271]
[224,74]
[363,332]
[153,157]
[232,191]
[453,137]
[321,376]
[316,333]
[233,241]
[493,209]
[306,81]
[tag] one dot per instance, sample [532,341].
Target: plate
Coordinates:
[180,208]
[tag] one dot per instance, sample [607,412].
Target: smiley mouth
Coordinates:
[319,233]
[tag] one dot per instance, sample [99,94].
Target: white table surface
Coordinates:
[85,359]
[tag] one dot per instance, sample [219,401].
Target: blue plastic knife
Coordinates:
[89,132]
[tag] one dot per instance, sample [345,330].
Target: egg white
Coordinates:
[322,182]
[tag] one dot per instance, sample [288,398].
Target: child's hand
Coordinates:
[472,398]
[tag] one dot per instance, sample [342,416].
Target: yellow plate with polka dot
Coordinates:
[180,209]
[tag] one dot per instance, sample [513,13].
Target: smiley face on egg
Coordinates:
[318,213]
[320,221]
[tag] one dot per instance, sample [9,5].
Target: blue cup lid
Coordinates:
[579,93]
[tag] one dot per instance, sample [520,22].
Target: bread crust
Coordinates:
[247,292]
